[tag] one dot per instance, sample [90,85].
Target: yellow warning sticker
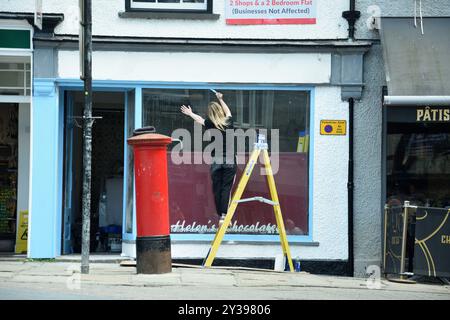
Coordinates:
[22,233]
[333,127]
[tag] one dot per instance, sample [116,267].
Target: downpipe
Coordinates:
[350,189]
[351,16]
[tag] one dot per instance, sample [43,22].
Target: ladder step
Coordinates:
[260,199]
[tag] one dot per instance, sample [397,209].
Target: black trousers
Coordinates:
[222,176]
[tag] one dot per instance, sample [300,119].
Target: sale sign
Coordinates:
[270,11]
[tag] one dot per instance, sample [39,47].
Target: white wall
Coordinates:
[202,67]
[330,24]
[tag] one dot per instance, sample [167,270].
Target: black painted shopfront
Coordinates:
[416,139]
[417,145]
[418,156]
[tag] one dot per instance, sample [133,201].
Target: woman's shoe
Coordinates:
[222,219]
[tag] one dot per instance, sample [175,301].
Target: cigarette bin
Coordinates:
[153,254]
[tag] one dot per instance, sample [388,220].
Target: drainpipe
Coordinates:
[351,16]
[350,188]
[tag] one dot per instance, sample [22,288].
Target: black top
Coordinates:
[229,148]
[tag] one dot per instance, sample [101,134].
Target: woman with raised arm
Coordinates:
[223,168]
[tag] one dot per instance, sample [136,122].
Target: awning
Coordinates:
[417,65]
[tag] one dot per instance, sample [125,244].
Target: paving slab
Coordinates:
[202,283]
[101,279]
[6,275]
[208,279]
[39,279]
[168,279]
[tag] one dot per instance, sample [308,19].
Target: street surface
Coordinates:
[62,280]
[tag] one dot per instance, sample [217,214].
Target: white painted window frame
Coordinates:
[26,71]
[13,53]
[188,6]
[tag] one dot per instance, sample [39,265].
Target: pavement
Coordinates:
[61,280]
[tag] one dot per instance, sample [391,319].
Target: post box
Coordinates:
[153,253]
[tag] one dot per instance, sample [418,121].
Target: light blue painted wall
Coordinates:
[125,235]
[44,198]
[137,124]
[60,173]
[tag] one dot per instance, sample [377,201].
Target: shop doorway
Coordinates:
[8,175]
[107,172]
[15,91]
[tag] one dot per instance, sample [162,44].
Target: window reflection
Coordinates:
[418,164]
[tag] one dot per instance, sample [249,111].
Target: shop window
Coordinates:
[418,164]
[15,79]
[169,5]
[191,201]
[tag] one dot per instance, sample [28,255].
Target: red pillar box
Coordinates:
[153,253]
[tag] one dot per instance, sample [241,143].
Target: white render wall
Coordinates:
[201,67]
[106,21]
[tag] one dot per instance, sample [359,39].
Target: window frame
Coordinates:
[23,71]
[239,88]
[208,10]
[252,110]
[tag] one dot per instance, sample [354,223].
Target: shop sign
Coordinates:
[429,114]
[333,127]
[253,12]
[22,232]
[422,114]
[15,39]
[432,243]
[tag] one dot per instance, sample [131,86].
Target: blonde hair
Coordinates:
[217,115]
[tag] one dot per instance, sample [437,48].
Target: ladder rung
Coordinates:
[260,199]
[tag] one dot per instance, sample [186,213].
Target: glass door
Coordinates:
[73,143]
[8,175]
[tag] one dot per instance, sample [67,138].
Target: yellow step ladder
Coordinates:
[260,146]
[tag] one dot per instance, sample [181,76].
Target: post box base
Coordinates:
[153,255]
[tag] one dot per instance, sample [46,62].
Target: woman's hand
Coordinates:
[223,104]
[186,110]
[219,95]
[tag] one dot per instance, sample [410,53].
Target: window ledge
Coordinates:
[292,243]
[169,15]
